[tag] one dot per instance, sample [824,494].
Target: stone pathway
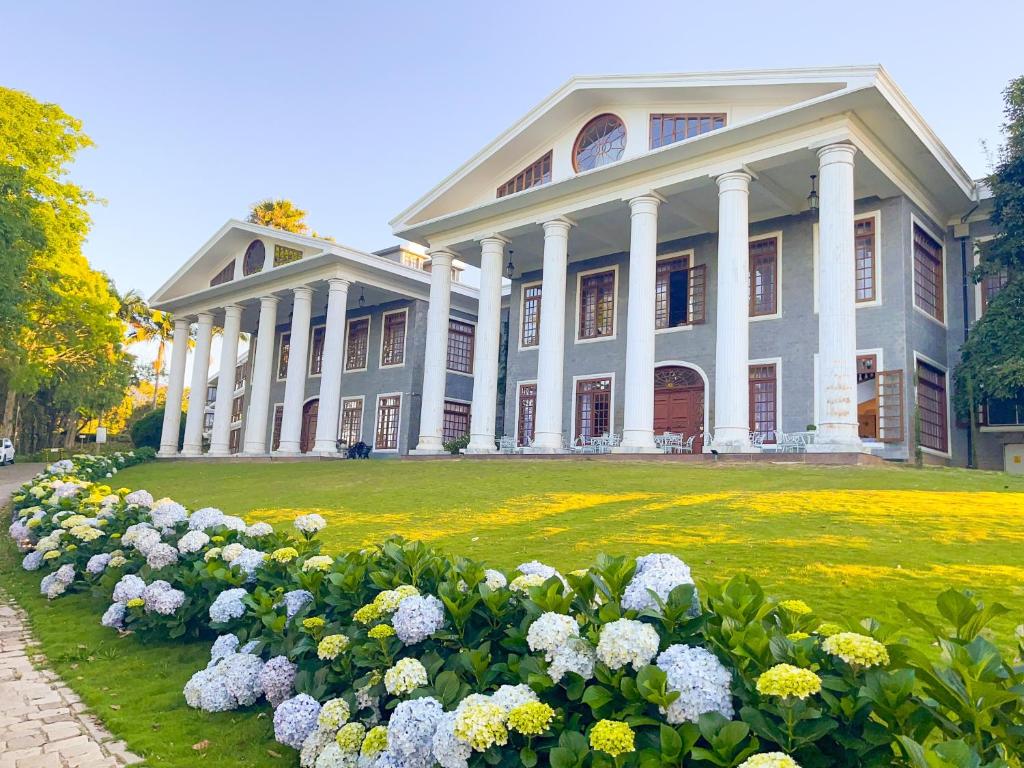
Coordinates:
[43,724]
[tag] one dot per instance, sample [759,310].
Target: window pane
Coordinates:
[358,337]
[927,274]
[597,305]
[316,355]
[387,422]
[864,236]
[593,407]
[527,413]
[460,346]
[351,421]
[393,352]
[536,174]
[763,277]
[763,400]
[282,360]
[456,421]
[530,335]
[931,404]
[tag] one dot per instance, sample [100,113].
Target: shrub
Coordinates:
[146,431]
[470,666]
[456,446]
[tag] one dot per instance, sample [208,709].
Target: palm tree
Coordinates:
[146,324]
[282,214]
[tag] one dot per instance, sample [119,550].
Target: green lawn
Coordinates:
[850,541]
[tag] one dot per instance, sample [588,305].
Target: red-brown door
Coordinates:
[308,435]
[679,403]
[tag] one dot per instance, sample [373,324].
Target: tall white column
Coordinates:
[295,384]
[175,388]
[732,399]
[193,444]
[262,371]
[551,350]
[330,367]
[837,315]
[638,397]
[485,347]
[435,354]
[220,435]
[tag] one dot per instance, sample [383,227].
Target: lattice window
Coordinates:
[255,256]
[282,356]
[233,440]
[932,407]
[456,421]
[668,129]
[602,141]
[676,377]
[460,346]
[866,265]
[597,305]
[534,175]
[764,401]
[992,284]
[316,351]
[530,333]
[698,291]
[764,277]
[527,413]
[275,441]
[388,409]
[236,408]
[351,421]
[285,255]
[678,293]
[928,274]
[393,345]
[226,275]
[593,407]
[358,341]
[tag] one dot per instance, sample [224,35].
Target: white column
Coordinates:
[485,347]
[551,350]
[295,384]
[330,367]
[435,354]
[175,388]
[193,444]
[262,371]
[837,315]
[638,396]
[732,406]
[220,435]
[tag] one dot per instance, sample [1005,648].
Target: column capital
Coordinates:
[733,181]
[442,256]
[303,291]
[269,301]
[233,309]
[558,225]
[204,318]
[338,284]
[647,203]
[836,153]
[182,322]
[494,239]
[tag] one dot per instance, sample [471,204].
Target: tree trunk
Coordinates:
[7,420]
[158,369]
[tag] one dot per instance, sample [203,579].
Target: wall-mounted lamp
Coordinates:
[362,299]
[510,268]
[812,198]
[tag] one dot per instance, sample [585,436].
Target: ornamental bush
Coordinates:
[398,656]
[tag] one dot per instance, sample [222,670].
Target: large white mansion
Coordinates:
[731,256]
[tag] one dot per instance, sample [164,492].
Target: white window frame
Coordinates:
[309,362]
[405,341]
[515,424]
[689,254]
[815,257]
[920,357]
[280,351]
[572,411]
[344,351]
[362,413]
[398,424]
[777,362]
[472,359]
[916,222]
[522,314]
[614,268]
[777,314]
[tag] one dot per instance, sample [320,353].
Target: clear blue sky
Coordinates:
[353,110]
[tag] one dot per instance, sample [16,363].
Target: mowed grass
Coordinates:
[852,541]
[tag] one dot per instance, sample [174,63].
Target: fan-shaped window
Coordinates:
[602,141]
[255,255]
[224,276]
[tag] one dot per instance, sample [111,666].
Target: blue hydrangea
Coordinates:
[657,573]
[160,597]
[113,617]
[411,732]
[97,563]
[278,679]
[32,561]
[141,498]
[417,618]
[703,682]
[295,601]
[295,719]
[56,584]
[128,588]
[225,645]
[449,751]
[249,561]
[228,605]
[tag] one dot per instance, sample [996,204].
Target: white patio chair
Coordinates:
[507,444]
[687,447]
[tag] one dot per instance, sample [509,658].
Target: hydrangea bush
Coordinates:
[397,656]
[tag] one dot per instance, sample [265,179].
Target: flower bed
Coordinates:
[400,657]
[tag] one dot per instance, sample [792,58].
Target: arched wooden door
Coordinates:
[308,435]
[679,403]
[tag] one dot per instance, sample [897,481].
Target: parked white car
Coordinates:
[6,451]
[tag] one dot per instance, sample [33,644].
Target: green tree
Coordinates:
[282,214]
[146,324]
[992,359]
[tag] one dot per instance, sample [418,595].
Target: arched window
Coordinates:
[602,141]
[255,255]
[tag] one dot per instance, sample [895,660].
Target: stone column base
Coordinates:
[543,451]
[637,449]
[428,452]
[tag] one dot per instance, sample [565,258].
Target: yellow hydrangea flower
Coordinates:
[798,607]
[350,737]
[856,649]
[331,646]
[211,554]
[35,522]
[770,760]
[531,718]
[313,622]
[612,736]
[797,636]
[53,553]
[284,554]
[786,680]
[525,581]
[71,521]
[368,614]
[318,563]
[381,631]
[136,602]
[375,742]
[828,628]
[481,724]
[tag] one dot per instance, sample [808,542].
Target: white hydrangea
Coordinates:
[193,541]
[56,584]
[448,750]
[495,579]
[233,523]
[166,514]
[231,551]
[577,655]
[228,605]
[417,618]
[160,597]
[141,498]
[702,681]
[310,524]
[658,573]
[161,555]
[550,631]
[508,697]
[207,517]
[405,676]
[626,641]
[259,530]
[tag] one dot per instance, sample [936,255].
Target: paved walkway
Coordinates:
[43,724]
